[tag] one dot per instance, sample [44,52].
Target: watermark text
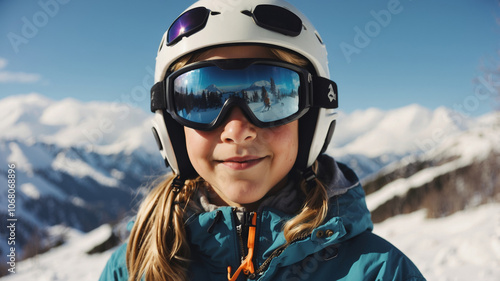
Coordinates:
[11,217]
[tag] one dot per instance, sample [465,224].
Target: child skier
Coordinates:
[251,195]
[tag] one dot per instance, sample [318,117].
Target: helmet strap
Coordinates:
[177,184]
[310,177]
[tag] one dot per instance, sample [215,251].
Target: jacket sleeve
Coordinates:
[381,260]
[116,267]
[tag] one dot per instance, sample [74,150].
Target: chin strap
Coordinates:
[177,184]
[247,265]
[309,176]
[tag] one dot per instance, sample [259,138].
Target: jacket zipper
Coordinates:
[239,232]
[247,223]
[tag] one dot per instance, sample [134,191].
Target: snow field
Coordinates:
[463,246]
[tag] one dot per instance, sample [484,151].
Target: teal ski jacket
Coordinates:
[343,248]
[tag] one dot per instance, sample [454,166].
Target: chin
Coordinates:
[245,198]
[242,192]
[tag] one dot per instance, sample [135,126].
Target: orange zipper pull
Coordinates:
[247,265]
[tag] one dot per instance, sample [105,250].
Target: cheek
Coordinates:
[198,145]
[285,142]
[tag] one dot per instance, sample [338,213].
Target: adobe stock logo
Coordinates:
[372,29]
[31,27]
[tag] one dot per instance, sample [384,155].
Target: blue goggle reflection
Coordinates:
[270,93]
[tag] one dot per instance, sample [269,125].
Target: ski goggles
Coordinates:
[269,17]
[269,93]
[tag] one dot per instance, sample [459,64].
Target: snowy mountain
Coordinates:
[105,128]
[257,86]
[81,165]
[368,140]
[459,173]
[76,164]
[212,88]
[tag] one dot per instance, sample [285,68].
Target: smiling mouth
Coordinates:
[241,163]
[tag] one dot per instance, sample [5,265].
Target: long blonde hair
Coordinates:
[158,248]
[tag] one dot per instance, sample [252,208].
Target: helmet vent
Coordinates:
[247,13]
[319,38]
[161,44]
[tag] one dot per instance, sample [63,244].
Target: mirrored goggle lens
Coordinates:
[271,93]
[187,23]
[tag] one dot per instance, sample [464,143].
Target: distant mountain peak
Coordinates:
[257,85]
[212,88]
[72,123]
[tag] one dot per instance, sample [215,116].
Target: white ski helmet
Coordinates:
[230,22]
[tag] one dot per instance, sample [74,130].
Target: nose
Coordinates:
[237,129]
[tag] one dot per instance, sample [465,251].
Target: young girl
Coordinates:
[251,196]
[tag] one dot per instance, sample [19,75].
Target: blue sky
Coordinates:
[198,80]
[428,52]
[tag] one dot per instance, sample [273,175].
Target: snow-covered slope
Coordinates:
[460,172]
[77,164]
[464,246]
[67,262]
[469,147]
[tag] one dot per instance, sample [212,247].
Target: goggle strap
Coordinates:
[158,96]
[325,94]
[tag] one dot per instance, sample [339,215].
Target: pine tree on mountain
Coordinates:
[273,87]
[265,99]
